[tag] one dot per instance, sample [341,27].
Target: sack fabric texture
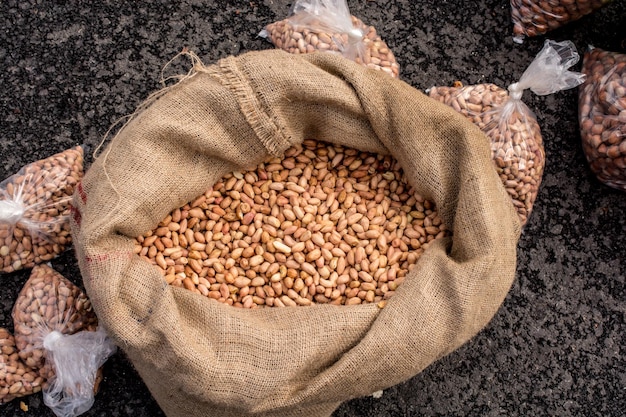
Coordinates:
[200,357]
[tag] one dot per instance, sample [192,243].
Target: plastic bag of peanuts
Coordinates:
[202,357]
[35,210]
[602,115]
[57,335]
[516,142]
[16,379]
[537,17]
[328,26]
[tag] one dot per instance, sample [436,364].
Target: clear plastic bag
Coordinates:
[16,379]
[515,137]
[35,210]
[56,334]
[77,359]
[328,26]
[536,17]
[602,115]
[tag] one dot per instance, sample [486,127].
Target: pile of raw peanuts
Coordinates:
[323,224]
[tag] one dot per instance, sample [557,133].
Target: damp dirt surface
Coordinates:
[70,69]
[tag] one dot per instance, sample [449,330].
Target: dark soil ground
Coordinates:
[69,69]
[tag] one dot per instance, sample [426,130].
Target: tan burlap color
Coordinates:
[203,358]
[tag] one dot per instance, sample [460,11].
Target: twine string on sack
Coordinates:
[196,66]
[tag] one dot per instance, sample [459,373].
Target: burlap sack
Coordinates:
[200,357]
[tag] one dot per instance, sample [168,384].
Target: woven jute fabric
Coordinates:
[200,357]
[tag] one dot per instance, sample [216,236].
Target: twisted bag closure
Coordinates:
[199,357]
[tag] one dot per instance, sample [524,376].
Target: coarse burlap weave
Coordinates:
[200,357]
